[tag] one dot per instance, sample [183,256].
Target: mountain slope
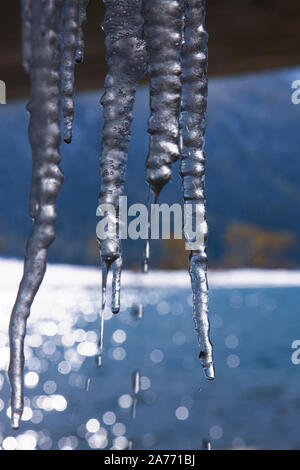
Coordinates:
[252,167]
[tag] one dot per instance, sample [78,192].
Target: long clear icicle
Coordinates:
[105,269]
[126,60]
[192,168]
[163,25]
[45,138]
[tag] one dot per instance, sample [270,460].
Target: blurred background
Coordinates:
[253,195]
[252,143]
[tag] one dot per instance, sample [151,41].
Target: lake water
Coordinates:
[254,401]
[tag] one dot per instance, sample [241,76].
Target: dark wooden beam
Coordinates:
[245,36]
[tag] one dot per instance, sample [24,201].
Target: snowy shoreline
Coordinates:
[11,272]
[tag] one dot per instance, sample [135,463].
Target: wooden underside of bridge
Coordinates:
[245,36]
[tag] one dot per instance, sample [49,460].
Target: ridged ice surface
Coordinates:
[192,168]
[45,139]
[80,39]
[73,50]
[71,25]
[163,39]
[163,25]
[126,60]
[26,33]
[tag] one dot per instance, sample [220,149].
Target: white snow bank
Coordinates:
[70,275]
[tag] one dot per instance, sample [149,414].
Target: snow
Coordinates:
[66,275]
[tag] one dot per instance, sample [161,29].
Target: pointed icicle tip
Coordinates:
[68,139]
[15,420]
[116,285]
[209,372]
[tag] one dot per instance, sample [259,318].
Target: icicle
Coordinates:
[80,41]
[45,139]
[136,380]
[116,285]
[126,59]
[26,6]
[70,38]
[163,25]
[26,12]
[152,199]
[75,14]
[163,19]
[193,108]
[105,269]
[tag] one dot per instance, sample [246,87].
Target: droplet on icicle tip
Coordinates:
[130,445]
[137,311]
[133,409]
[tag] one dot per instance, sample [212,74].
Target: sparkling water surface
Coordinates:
[72,404]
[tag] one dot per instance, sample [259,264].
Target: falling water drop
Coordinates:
[130,445]
[206,444]
[136,380]
[140,311]
[87,384]
[137,310]
[136,383]
[133,410]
